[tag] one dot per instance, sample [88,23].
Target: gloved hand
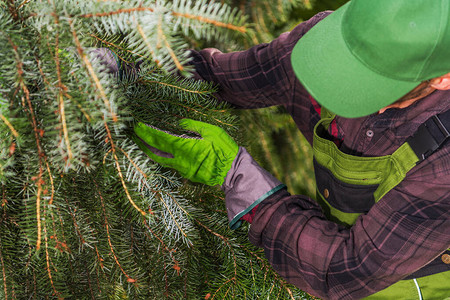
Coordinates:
[206,159]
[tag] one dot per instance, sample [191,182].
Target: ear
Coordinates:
[441,83]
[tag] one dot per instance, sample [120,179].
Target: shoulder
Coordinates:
[281,48]
[301,29]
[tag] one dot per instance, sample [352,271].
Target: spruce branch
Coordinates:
[37,134]
[129,279]
[149,45]
[48,266]
[92,73]
[113,46]
[185,10]
[82,209]
[5,288]
[10,126]
[119,171]
[62,91]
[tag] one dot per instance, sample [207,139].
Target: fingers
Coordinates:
[204,129]
[212,133]
[156,138]
[154,153]
[153,149]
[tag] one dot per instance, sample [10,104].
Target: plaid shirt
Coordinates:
[407,229]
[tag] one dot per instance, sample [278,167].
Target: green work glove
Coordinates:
[206,160]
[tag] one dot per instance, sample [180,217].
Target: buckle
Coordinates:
[423,142]
[441,126]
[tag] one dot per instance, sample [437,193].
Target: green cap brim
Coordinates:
[338,80]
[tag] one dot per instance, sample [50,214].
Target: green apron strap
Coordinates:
[403,160]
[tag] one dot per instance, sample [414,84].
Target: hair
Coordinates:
[423,88]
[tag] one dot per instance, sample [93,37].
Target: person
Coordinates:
[369,86]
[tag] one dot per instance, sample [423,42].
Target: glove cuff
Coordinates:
[246,185]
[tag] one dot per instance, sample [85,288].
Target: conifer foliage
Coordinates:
[84,214]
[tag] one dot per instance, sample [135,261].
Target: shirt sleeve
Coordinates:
[405,230]
[261,76]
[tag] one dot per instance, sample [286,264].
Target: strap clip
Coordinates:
[429,137]
[444,130]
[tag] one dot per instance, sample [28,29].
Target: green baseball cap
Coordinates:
[370,53]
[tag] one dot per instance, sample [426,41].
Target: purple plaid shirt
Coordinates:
[407,229]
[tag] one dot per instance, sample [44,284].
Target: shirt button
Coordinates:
[326,193]
[369,133]
[446,259]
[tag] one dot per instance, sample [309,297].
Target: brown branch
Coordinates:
[241,29]
[12,10]
[64,126]
[42,73]
[37,134]
[86,115]
[147,42]
[38,209]
[129,279]
[157,237]
[115,46]
[120,11]
[3,271]
[106,155]
[5,120]
[173,217]
[80,235]
[226,282]
[132,162]
[50,176]
[26,92]
[91,71]
[164,247]
[89,281]
[116,159]
[174,86]
[23,3]
[60,245]
[188,108]
[62,90]
[100,260]
[169,48]
[47,258]
[226,242]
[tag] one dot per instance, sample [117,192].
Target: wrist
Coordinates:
[246,185]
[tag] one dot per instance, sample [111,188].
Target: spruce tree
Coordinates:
[84,213]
